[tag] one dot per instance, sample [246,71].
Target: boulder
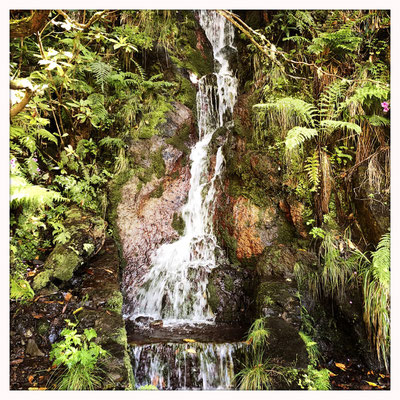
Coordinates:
[87,233]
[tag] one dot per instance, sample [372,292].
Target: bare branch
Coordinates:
[27,26]
[17,108]
[95,17]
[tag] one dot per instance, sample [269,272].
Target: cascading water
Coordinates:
[174,290]
[199,365]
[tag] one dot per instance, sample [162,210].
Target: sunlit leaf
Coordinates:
[341,366]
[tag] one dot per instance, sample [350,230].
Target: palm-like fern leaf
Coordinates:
[297,136]
[24,192]
[329,125]
[101,72]
[289,112]
[330,104]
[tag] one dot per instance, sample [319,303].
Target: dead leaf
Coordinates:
[37,316]
[108,270]
[370,372]
[68,296]
[16,362]
[192,351]
[189,340]
[341,366]
[30,379]
[371,384]
[332,374]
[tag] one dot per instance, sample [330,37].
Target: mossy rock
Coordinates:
[87,236]
[180,139]
[178,223]
[228,294]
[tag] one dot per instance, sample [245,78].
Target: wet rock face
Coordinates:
[176,119]
[151,203]
[87,235]
[228,294]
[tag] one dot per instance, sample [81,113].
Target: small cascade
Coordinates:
[174,289]
[185,366]
[172,295]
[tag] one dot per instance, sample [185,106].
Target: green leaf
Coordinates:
[90,334]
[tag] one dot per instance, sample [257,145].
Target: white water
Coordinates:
[185,366]
[174,289]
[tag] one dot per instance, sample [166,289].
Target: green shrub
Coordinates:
[79,356]
[20,289]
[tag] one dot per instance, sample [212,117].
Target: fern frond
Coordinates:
[329,102]
[29,142]
[101,72]
[289,112]
[297,136]
[377,120]
[312,169]
[24,192]
[329,125]
[368,93]
[140,69]
[44,134]
[376,288]
[112,142]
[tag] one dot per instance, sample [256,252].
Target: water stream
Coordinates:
[174,290]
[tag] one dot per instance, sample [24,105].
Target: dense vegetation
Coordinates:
[88,84]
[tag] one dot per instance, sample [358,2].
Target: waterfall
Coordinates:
[185,366]
[174,289]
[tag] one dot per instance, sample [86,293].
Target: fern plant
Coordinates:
[79,357]
[376,290]
[20,289]
[312,169]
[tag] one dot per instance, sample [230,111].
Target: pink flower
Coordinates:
[385,106]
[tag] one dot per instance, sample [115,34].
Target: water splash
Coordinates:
[174,289]
[185,366]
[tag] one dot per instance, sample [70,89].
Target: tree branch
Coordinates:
[27,26]
[91,21]
[17,108]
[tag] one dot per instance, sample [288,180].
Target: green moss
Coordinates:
[158,191]
[230,245]
[286,233]
[180,138]
[158,165]
[151,120]
[228,283]
[178,223]
[250,188]
[65,263]
[43,327]
[195,61]
[42,279]
[187,94]
[212,297]
[114,303]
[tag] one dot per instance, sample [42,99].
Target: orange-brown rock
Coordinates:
[246,217]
